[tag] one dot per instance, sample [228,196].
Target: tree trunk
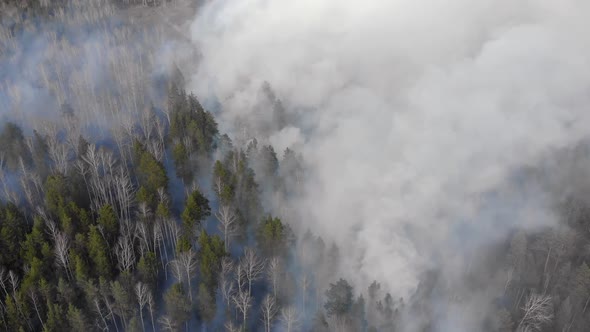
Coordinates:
[586,305]
[141,317]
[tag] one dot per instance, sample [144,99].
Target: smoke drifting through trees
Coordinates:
[420,125]
[444,171]
[105,204]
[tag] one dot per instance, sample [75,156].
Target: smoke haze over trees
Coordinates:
[250,165]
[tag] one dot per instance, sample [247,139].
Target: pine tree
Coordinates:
[107,219]
[211,252]
[98,252]
[338,299]
[181,162]
[76,319]
[274,237]
[12,233]
[206,303]
[147,269]
[178,306]
[196,209]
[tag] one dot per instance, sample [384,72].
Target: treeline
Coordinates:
[36,7]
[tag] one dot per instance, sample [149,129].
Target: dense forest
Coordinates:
[125,208]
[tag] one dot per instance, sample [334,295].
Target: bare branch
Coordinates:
[125,254]
[243,302]
[227,224]
[289,318]
[252,265]
[538,311]
[269,310]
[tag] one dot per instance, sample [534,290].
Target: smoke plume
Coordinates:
[415,117]
[412,115]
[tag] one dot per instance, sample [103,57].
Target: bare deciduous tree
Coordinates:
[109,306]
[269,310]
[151,308]
[98,309]
[14,281]
[141,291]
[146,120]
[62,247]
[226,284]
[125,254]
[305,283]
[227,267]
[166,324]
[33,296]
[231,327]
[58,152]
[145,238]
[273,274]
[289,318]
[252,265]
[160,127]
[243,302]
[156,148]
[9,194]
[538,311]
[240,276]
[124,193]
[31,184]
[183,268]
[227,224]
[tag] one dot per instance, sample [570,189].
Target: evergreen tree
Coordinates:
[123,296]
[151,175]
[196,210]
[338,299]
[76,319]
[107,219]
[274,237]
[182,162]
[55,320]
[12,233]
[98,252]
[206,303]
[13,146]
[147,268]
[223,183]
[211,252]
[178,306]
[56,193]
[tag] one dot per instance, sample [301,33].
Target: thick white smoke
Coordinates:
[408,112]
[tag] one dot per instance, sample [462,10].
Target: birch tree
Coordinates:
[151,308]
[227,224]
[141,292]
[273,274]
[226,283]
[289,318]
[184,267]
[538,312]
[62,247]
[243,302]
[125,254]
[253,267]
[269,310]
